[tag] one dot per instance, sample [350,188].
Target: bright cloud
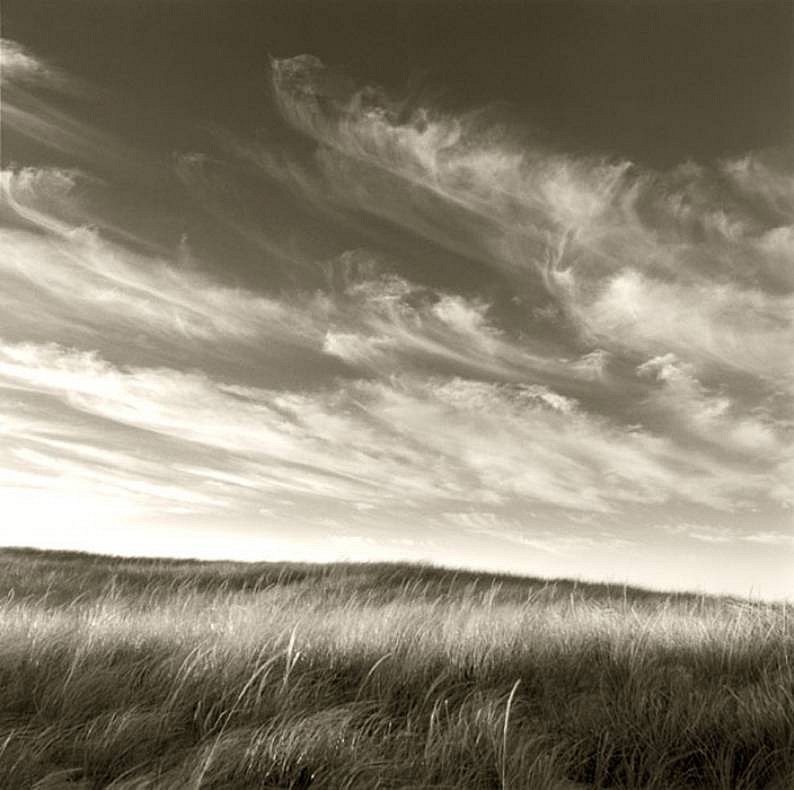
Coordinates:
[408,439]
[439,333]
[639,261]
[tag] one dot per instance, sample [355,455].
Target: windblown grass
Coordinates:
[119,673]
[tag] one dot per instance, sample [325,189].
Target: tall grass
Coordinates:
[122,673]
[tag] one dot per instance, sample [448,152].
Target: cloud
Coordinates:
[781,539]
[640,262]
[704,533]
[19,66]
[90,291]
[767,177]
[73,283]
[721,534]
[35,94]
[711,415]
[408,440]
[717,325]
[520,533]
[382,322]
[494,339]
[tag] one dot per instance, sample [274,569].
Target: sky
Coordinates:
[492,285]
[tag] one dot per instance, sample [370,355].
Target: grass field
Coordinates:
[168,674]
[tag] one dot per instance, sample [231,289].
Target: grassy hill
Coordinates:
[136,673]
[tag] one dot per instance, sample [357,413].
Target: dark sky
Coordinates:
[505,285]
[657,82]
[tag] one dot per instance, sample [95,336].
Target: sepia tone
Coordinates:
[396,394]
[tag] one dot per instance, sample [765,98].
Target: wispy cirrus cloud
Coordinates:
[20,66]
[69,281]
[711,415]
[84,287]
[722,534]
[375,323]
[457,335]
[683,261]
[41,105]
[409,439]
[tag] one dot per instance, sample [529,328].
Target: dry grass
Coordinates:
[141,674]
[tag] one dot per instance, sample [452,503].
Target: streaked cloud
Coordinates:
[82,284]
[722,534]
[711,414]
[407,439]
[18,65]
[637,260]
[444,333]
